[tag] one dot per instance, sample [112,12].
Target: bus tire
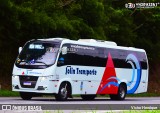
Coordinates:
[63,92]
[121,93]
[26,95]
[88,97]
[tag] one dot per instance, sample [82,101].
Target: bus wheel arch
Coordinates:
[121,94]
[65,91]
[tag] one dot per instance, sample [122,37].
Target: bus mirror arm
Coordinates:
[20,49]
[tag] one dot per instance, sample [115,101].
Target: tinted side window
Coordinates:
[83,55]
[97,56]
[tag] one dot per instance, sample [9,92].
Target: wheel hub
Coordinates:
[64,92]
[122,93]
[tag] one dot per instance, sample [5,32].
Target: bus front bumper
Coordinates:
[34,84]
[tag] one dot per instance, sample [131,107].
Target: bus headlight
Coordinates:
[43,78]
[46,77]
[15,77]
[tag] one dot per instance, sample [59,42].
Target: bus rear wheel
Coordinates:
[26,95]
[88,97]
[63,92]
[121,93]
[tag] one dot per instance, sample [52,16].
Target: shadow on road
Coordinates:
[79,99]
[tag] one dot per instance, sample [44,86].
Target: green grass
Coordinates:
[112,111]
[141,111]
[7,93]
[137,95]
[143,95]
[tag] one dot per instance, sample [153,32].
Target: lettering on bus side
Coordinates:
[72,70]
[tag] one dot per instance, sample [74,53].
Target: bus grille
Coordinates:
[28,81]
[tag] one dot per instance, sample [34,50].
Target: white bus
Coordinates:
[86,67]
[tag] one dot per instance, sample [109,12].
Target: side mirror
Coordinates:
[20,49]
[60,61]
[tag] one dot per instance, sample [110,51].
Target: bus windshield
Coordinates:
[38,54]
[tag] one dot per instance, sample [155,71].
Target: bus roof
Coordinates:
[94,42]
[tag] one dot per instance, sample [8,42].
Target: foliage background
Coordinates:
[22,20]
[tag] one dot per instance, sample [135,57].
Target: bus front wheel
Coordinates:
[26,95]
[63,92]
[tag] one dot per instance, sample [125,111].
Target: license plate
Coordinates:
[27,83]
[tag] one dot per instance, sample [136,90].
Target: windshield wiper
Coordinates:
[34,62]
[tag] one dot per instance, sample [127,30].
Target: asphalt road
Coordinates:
[77,100]
[103,104]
